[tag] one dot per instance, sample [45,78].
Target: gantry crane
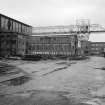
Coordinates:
[82,28]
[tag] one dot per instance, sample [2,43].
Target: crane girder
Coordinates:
[83,28]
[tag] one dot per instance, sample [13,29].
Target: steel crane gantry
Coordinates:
[83,28]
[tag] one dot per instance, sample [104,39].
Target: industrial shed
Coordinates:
[13,36]
[55,45]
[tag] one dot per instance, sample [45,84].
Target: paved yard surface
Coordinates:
[56,82]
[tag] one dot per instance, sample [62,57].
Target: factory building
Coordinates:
[13,35]
[53,46]
[19,39]
[97,48]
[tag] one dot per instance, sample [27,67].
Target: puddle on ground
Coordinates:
[17,81]
[5,69]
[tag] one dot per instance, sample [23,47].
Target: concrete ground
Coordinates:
[56,82]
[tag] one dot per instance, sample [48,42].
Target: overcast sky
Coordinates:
[56,12]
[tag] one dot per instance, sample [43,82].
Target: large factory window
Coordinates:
[9,24]
[2,22]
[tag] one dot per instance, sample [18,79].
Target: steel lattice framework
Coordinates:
[82,28]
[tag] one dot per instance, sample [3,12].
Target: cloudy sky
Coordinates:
[56,12]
